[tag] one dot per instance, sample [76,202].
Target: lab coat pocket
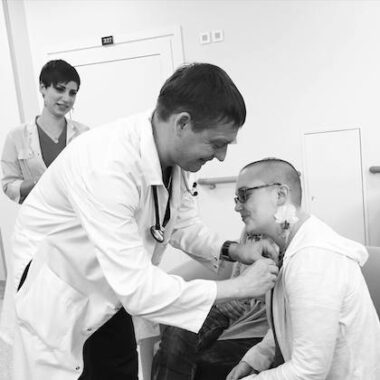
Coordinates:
[49,308]
[25,154]
[29,163]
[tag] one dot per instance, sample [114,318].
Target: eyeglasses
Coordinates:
[243,193]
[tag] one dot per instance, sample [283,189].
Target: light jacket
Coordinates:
[86,225]
[22,159]
[325,321]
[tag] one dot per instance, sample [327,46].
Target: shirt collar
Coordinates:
[72,129]
[149,153]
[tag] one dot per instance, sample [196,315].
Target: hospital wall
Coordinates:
[301,66]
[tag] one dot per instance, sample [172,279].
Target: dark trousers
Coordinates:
[183,355]
[110,353]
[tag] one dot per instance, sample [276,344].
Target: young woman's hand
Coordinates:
[241,370]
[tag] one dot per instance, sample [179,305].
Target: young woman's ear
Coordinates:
[42,89]
[283,193]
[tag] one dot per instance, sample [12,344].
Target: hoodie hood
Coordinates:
[316,234]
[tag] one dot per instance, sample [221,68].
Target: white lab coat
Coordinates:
[22,158]
[326,323]
[86,226]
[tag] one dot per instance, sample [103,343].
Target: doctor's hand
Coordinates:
[253,250]
[257,279]
[239,371]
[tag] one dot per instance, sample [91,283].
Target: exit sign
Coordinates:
[108,40]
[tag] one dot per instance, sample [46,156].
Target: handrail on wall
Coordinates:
[374,169]
[212,182]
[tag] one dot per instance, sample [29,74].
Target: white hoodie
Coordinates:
[325,321]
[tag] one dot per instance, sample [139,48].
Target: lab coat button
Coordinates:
[77,368]
[89,329]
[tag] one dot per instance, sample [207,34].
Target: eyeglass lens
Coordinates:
[243,194]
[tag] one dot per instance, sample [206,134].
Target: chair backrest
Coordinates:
[371,272]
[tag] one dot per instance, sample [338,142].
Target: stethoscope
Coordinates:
[158,229]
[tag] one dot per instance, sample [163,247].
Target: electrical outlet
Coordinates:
[217,35]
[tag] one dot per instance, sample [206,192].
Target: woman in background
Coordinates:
[30,148]
[28,151]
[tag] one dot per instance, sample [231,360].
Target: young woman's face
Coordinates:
[260,204]
[59,99]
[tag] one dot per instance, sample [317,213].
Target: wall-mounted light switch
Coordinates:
[204,38]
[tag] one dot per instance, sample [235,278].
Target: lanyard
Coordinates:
[158,229]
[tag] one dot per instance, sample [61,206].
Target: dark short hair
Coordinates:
[58,71]
[206,92]
[278,170]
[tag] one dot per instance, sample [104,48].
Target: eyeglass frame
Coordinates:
[244,191]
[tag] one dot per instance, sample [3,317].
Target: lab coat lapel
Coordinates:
[34,143]
[150,160]
[176,189]
[71,131]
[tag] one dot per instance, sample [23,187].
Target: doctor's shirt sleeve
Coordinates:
[192,236]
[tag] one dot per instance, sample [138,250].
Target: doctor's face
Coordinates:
[195,148]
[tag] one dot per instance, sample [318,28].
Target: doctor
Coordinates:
[89,236]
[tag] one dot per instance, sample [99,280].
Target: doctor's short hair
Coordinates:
[276,170]
[206,92]
[58,71]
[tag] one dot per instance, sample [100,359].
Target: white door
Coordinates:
[334,181]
